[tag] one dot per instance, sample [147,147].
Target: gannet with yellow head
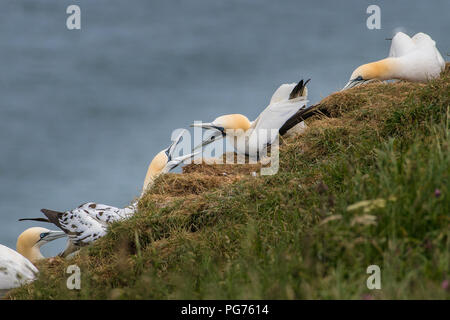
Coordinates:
[245,134]
[90,221]
[16,267]
[413,59]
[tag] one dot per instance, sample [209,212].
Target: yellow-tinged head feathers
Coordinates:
[233,122]
[380,70]
[28,243]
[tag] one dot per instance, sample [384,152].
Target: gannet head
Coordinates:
[232,122]
[164,161]
[226,125]
[378,70]
[30,241]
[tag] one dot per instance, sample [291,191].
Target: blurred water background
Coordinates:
[83,112]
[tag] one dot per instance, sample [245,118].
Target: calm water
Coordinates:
[83,112]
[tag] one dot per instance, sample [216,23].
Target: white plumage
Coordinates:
[15,269]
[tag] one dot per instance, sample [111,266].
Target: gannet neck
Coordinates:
[155,168]
[381,70]
[33,254]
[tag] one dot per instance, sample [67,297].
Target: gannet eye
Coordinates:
[42,235]
[359,78]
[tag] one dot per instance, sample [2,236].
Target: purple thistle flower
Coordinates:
[437,193]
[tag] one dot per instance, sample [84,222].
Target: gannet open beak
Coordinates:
[171,149]
[50,236]
[175,162]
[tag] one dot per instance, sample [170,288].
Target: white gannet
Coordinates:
[245,135]
[413,59]
[16,267]
[90,221]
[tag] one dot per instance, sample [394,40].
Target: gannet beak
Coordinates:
[216,136]
[171,149]
[355,83]
[219,133]
[52,235]
[352,83]
[204,125]
[175,162]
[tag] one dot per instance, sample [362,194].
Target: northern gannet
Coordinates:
[413,59]
[16,267]
[246,136]
[90,221]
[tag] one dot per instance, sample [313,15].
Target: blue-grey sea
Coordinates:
[82,112]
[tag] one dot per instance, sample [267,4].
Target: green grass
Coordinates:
[291,236]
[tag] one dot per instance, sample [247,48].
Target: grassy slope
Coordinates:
[290,236]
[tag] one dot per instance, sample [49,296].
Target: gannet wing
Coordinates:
[424,40]
[107,214]
[15,269]
[272,118]
[101,212]
[276,114]
[421,39]
[35,219]
[282,93]
[401,44]
[78,224]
